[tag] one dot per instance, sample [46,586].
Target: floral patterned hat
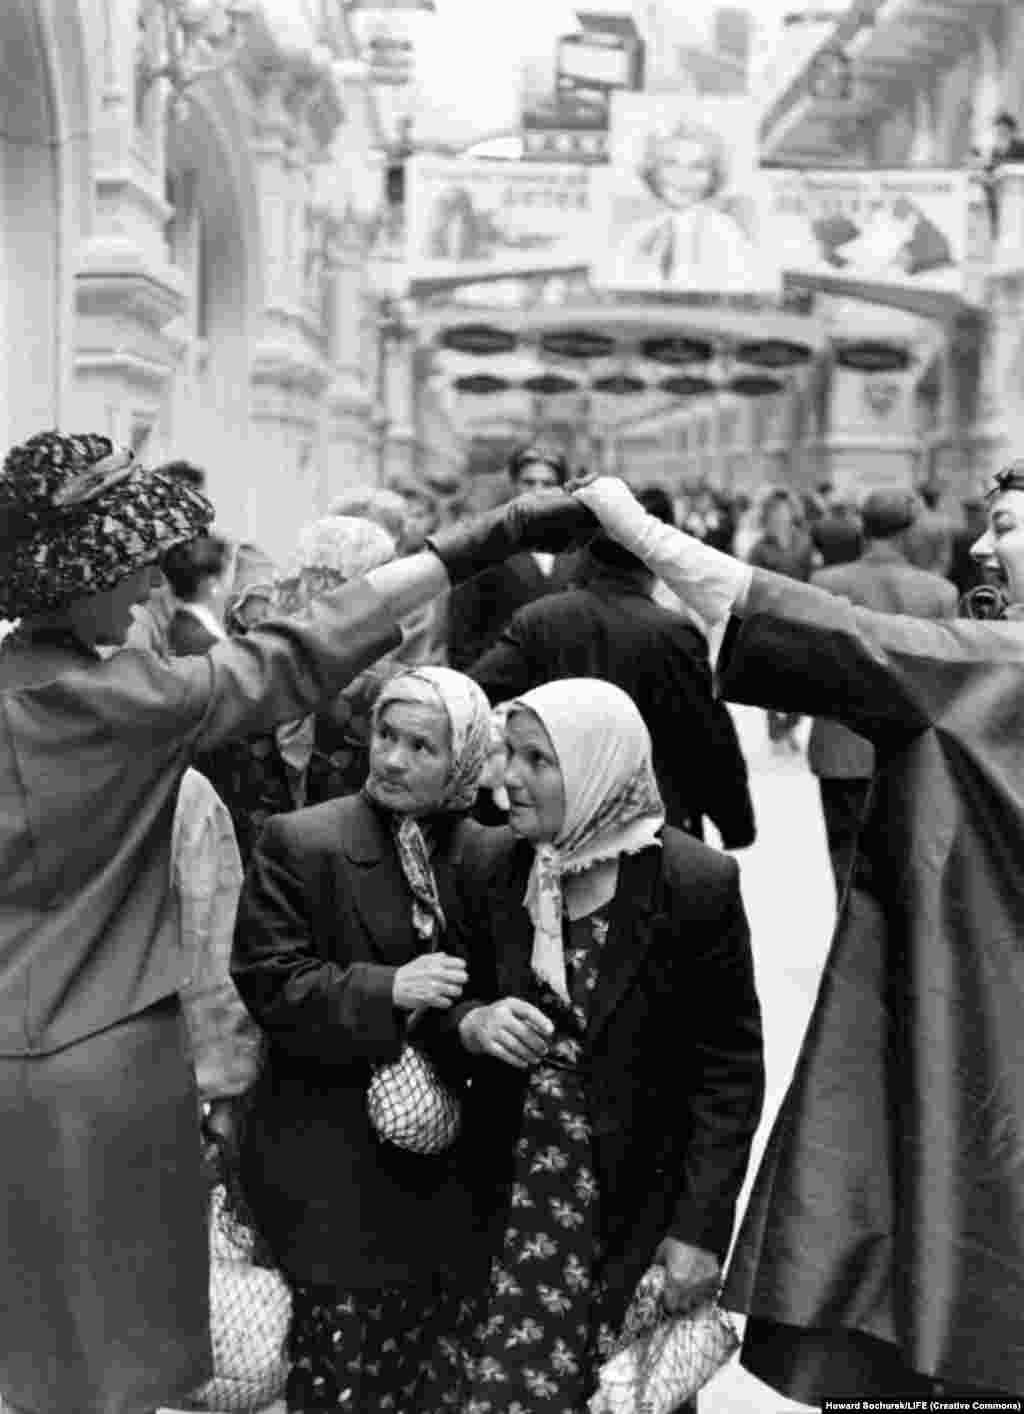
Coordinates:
[78,514]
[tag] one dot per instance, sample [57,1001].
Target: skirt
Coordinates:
[104,1255]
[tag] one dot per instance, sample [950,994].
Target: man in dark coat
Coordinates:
[610,627]
[480,609]
[883,579]
[883,1249]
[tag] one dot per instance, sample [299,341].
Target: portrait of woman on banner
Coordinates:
[703,235]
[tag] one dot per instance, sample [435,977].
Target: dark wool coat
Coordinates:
[886,1228]
[324,921]
[673,1060]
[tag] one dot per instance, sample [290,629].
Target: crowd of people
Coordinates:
[357,885]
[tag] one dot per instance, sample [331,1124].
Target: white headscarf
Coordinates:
[612,802]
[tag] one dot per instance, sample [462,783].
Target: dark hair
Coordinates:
[539,452]
[657,502]
[885,514]
[185,471]
[603,551]
[187,565]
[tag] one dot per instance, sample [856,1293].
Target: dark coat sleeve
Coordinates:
[725,1094]
[710,771]
[886,676]
[310,1006]
[505,670]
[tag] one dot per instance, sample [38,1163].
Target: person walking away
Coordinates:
[884,580]
[784,548]
[608,626]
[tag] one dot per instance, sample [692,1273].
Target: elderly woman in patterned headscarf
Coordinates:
[342,939]
[615,1032]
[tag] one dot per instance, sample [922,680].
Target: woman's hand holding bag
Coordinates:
[408,1103]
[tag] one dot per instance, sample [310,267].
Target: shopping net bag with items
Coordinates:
[250,1313]
[662,1360]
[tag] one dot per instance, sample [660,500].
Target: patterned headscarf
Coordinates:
[78,515]
[330,551]
[612,802]
[469,724]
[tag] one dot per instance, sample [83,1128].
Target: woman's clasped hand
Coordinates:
[510,1030]
[434,979]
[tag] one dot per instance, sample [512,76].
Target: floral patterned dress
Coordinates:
[534,1343]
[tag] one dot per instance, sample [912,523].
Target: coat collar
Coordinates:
[883,552]
[630,932]
[632,927]
[377,884]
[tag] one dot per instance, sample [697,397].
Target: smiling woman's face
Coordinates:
[1001,548]
[533,780]
[685,172]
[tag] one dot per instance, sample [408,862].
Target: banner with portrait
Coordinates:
[681,207]
[850,231]
[478,219]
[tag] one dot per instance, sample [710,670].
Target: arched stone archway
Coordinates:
[214,240]
[45,199]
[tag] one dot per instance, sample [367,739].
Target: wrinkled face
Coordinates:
[533,780]
[410,758]
[1001,548]
[536,476]
[104,619]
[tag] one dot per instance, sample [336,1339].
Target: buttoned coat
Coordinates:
[673,1057]
[324,922]
[882,579]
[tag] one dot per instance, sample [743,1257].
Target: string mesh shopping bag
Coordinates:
[662,1360]
[411,1106]
[250,1314]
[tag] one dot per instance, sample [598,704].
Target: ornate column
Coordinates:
[127,291]
[290,367]
[349,399]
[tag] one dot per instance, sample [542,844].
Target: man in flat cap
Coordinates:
[882,578]
[882,1252]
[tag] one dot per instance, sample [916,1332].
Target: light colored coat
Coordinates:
[884,580]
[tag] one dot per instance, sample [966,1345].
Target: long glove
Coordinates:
[548,520]
[712,584]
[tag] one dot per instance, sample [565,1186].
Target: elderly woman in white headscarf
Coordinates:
[342,939]
[614,1029]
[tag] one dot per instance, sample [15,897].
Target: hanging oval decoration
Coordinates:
[755,385]
[549,385]
[686,385]
[619,385]
[675,350]
[772,353]
[578,343]
[480,384]
[480,339]
[873,356]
